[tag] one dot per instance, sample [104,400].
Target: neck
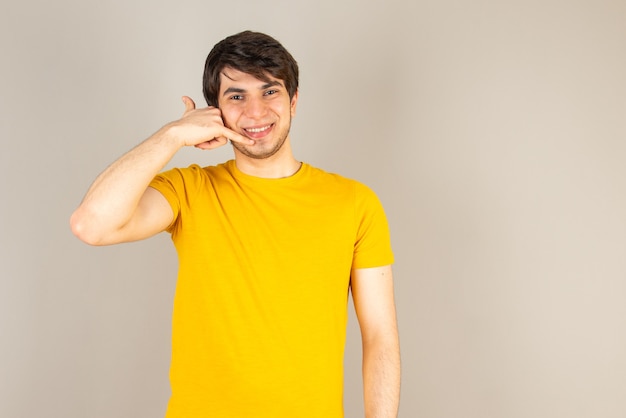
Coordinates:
[280,165]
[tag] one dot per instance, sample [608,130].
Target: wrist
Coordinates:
[171,136]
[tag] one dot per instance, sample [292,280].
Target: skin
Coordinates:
[255,117]
[372,293]
[261,111]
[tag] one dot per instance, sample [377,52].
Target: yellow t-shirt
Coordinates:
[260,309]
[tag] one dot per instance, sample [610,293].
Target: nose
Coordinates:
[255,107]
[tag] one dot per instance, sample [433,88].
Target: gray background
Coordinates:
[493,131]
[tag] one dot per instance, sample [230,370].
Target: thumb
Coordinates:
[189,103]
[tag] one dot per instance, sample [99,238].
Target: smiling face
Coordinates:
[260,110]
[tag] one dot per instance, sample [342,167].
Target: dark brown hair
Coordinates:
[253,53]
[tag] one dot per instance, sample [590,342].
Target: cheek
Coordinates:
[229,117]
[282,109]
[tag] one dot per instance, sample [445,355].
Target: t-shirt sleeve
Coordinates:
[372,247]
[173,184]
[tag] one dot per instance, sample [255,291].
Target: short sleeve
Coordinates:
[173,185]
[373,242]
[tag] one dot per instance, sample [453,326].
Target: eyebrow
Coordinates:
[233,90]
[263,87]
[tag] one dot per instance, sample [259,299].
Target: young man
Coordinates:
[268,248]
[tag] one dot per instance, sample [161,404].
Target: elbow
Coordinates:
[84,228]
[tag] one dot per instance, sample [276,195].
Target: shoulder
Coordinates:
[352,186]
[187,183]
[330,178]
[195,173]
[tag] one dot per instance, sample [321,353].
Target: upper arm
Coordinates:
[373,296]
[152,215]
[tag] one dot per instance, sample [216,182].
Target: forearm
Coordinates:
[381,377]
[114,195]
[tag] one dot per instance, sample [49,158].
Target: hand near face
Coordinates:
[204,128]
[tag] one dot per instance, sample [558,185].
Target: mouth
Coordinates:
[258,132]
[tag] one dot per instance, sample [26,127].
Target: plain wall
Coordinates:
[493,132]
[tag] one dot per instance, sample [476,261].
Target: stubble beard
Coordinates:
[264,153]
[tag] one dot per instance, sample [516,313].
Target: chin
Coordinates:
[258,154]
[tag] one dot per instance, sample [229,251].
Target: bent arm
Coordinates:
[372,292]
[119,206]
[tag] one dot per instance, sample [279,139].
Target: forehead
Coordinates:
[232,77]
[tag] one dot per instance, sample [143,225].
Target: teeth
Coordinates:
[255,130]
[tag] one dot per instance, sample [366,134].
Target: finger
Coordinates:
[189,103]
[213,143]
[234,136]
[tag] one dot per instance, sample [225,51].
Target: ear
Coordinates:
[294,102]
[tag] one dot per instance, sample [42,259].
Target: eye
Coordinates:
[271,92]
[236,97]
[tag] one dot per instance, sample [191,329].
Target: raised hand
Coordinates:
[204,128]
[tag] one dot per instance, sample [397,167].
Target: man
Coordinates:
[268,248]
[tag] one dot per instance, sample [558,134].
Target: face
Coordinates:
[256,109]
